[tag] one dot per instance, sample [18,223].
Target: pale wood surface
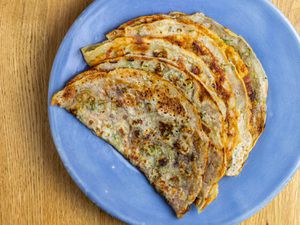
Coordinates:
[34,186]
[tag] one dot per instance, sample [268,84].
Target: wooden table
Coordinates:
[34,186]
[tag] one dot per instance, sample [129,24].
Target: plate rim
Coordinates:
[60,149]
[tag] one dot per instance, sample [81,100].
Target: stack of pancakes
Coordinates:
[180,96]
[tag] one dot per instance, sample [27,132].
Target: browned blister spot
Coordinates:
[108,53]
[165,128]
[175,40]
[69,93]
[73,111]
[143,47]
[163,162]
[146,94]
[158,68]
[138,121]
[160,53]
[221,91]
[129,58]
[173,105]
[122,132]
[250,91]
[126,100]
[177,145]
[215,67]
[199,49]
[206,129]
[134,157]
[136,133]
[196,70]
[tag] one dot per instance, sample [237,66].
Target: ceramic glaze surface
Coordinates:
[116,186]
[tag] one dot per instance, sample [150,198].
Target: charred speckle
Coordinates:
[119,103]
[206,129]
[225,95]
[165,129]
[73,111]
[177,145]
[68,93]
[252,96]
[155,54]
[122,132]
[172,104]
[251,93]
[161,54]
[175,41]
[195,70]
[136,133]
[192,157]
[130,59]
[198,49]
[91,122]
[215,68]
[201,97]
[158,68]
[261,127]
[138,121]
[176,164]
[179,43]
[163,162]
[108,53]
[221,79]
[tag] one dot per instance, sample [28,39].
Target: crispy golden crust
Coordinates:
[238,53]
[197,50]
[162,49]
[169,146]
[166,49]
[250,71]
[212,119]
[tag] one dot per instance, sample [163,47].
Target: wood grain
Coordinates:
[34,186]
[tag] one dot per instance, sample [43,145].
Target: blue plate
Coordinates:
[117,187]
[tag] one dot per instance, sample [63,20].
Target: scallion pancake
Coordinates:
[234,47]
[254,77]
[211,118]
[183,59]
[149,122]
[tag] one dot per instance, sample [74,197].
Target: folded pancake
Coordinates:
[254,77]
[212,119]
[165,50]
[234,48]
[216,84]
[149,122]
